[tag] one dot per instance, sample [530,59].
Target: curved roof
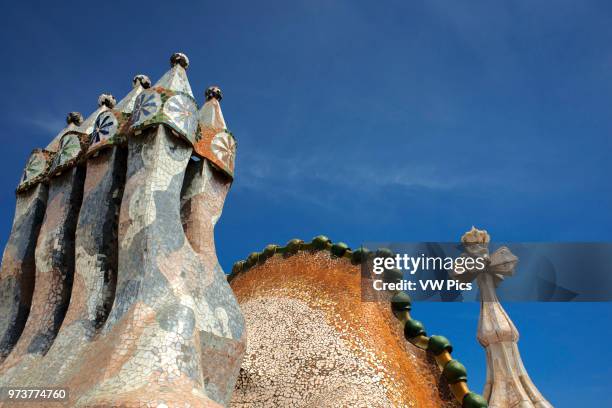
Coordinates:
[400,304]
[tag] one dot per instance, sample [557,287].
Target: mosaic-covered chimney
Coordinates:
[18,261]
[95,242]
[130,306]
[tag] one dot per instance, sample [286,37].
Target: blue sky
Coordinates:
[367,121]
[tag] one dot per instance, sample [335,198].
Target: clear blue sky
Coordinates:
[367,121]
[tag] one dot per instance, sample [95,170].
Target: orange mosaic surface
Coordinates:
[331,287]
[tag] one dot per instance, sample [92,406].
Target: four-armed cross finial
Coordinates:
[508,385]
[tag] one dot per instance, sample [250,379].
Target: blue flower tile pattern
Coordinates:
[105,128]
[146,106]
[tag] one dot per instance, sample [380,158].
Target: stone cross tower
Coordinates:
[508,384]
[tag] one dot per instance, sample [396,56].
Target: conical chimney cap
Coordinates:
[215,143]
[175,79]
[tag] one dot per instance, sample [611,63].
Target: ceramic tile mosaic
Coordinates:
[18,266]
[112,126]
[72,147]
[313,342]
[54,260]
[130,308]
[169,102]
[215,142]
[36,169]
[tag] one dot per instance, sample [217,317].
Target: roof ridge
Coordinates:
[440,347]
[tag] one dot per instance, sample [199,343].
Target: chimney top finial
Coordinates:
[476,236]
[144,81]
[74,118]
[107,100]
[179,58]
[213,92]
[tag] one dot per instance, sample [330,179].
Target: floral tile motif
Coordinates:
[182,112]
[146,106]
[223,147]
[126,105]
[36,166]
[214,142]
[88,125]
[105,128]
[35,170]
[69,150]
[218,146]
